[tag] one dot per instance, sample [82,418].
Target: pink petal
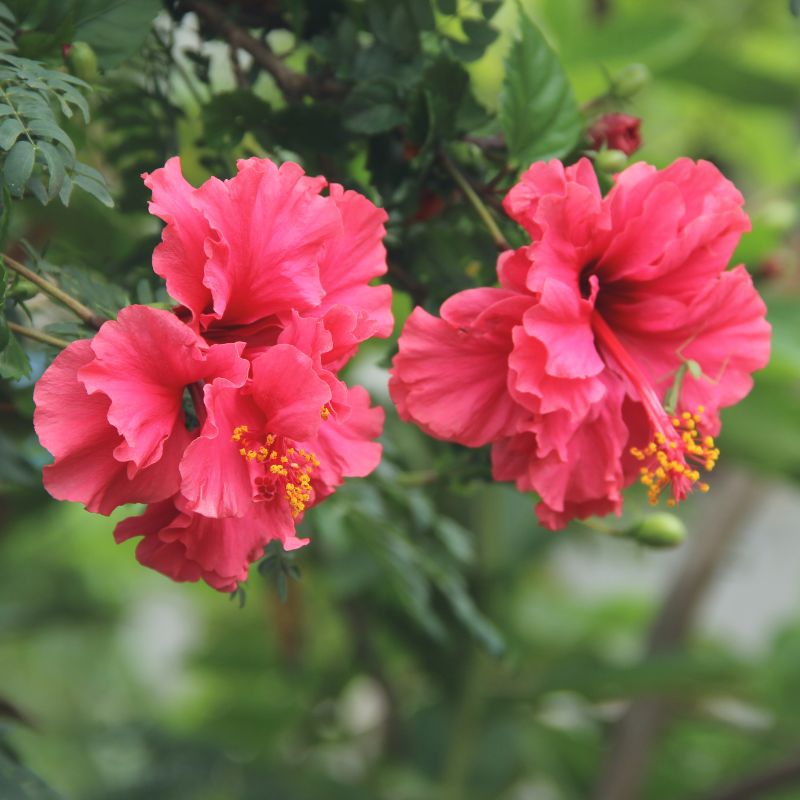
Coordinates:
[289,392]
[215,478]
[269,225]
[450,379]
[142,363]
[346,449]
[180,258]
[74,427]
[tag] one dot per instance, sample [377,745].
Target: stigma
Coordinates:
[674,458]
[287,469]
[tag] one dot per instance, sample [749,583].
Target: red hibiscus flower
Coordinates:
[571,368]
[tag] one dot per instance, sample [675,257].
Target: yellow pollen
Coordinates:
[324,412]
[670,459]
[284,476]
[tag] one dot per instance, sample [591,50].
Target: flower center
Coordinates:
[286,469]
[678,445]
[674,459]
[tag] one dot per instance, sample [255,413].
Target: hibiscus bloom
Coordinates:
[576,368]
[229,453]
[241,255]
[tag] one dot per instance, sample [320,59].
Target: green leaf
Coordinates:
[372,107]
[538,112]
[19,783]
[448,6]
[55,167]
[95,188]
[9,132]
[115,29]
[18,166]
[14,363]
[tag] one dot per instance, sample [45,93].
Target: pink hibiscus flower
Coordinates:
[571,368]
[241,255]
[272,437]
[110,409]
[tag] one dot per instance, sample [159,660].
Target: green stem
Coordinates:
[37,336]
[600,527]
[476,203]
[84,313]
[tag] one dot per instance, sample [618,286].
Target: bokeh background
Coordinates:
[437,643]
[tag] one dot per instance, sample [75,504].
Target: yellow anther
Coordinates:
[677,455]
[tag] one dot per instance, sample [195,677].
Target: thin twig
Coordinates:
[787,773]
[81,311]
[476,203]
[637,732]
[37,336]
[293,84]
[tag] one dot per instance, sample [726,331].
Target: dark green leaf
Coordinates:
[14,363]
[55,166]
[19,783]
[538,112]
[372,107]
[18,166]
[95,188]
[448,6]
[9,132]
[115,29]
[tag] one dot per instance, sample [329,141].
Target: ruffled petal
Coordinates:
[289,392]
[346,449]
[269,225]
[142,363]
[180,258]
[74,427]
[450,374]
[215,479]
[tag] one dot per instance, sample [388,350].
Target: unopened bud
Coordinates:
[630,80]
[610,161]
[616,132]
[658,530]
[82,61]
[23,290]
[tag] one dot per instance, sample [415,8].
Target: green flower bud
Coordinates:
[23,290]
[630,80]
[609,161]
[658,530]
[82,61]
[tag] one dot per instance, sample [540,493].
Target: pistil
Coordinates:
[678,447]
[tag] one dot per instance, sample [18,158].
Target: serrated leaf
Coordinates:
[18,166]
[538,113]
[14,362]
[10,131]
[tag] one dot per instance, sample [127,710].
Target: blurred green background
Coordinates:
[438,643]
